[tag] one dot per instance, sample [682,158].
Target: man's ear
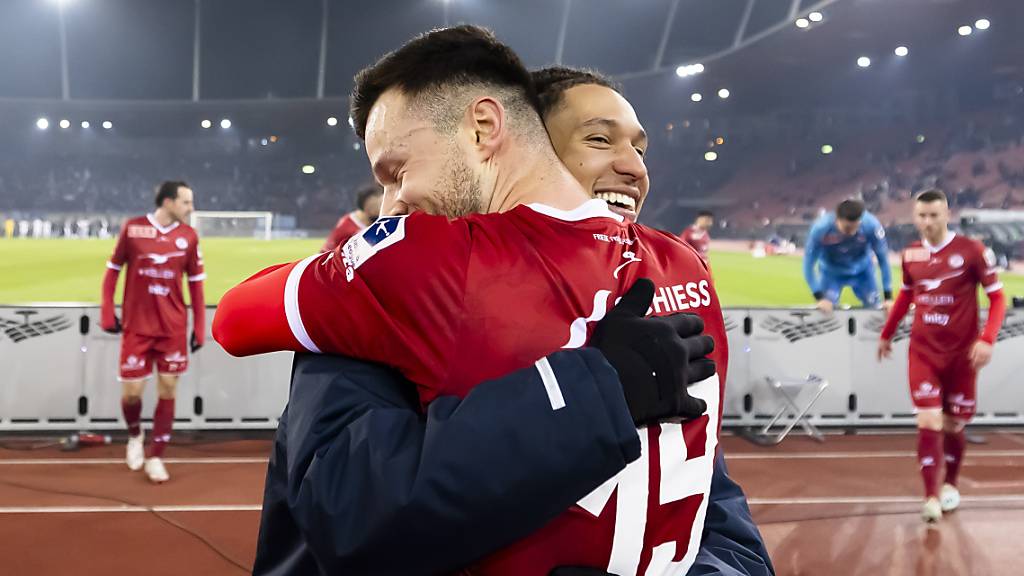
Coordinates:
[488,125]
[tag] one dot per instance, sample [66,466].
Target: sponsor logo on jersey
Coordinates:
[935,300]
[990,258]
[176,357]
[630,257]
[157,274]
[24,329]
[137,231]
[158,290]
[385,232]
[929,284]
[680,297]
[935,319]
[880,233]
[161,259]
[615,239]
[133,362]
[956,261]
[181,243]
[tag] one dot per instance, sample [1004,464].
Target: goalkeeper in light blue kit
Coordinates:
[838,254]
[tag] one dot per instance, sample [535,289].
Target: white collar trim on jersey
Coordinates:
[595,208]
[934,249]
[352,217]
[153,221]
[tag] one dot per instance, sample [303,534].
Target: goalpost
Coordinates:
[233,224]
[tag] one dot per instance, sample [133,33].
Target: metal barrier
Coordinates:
[58,370]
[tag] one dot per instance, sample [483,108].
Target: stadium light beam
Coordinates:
[901,51]
[332,121]
[65,124]
[863,61]
[964,30]
[815,16]
[827,149]
[724,93]
[206,123]
[85,124]
[982,24]
[689,70]
[696,97]
[107,124]
[308,169]
[42,123]
[803,23]
[711,155]
[225,123]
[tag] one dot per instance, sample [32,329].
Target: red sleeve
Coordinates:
[393,294]
[996,313]
[114,265]
[899,310]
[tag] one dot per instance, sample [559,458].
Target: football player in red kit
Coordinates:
[158,249]
[941,274]
[367,210]
[698,234]
[453,302]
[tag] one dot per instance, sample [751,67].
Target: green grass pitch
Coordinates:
[35,271]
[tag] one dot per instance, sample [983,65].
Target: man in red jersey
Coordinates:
[941,274]
[450,129]
[159,249]
[698,234]
[367,210]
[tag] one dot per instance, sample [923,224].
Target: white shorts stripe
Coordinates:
[113,266]
[197,277]
[291,304]
[547,376]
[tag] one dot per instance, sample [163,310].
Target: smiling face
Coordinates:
[596,134]
[419,168]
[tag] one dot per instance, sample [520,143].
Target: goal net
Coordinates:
[232,224]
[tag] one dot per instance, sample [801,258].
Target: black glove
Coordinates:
[578,571]
[193,343]
[656,358]
[116,328]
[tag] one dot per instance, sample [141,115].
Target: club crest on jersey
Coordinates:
[181,243]
[136,231]
[956,261]
[384,232]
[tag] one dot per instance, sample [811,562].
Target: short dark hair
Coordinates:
[439,64]
[168,191]
[552,82]
[707,213]
[850,210]
[933,195]
[365,193]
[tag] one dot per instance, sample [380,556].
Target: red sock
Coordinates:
[929,454]
[954,445]
[132,410]
[163,422]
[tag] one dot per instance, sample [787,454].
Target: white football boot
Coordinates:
[156,471]
[949,497]
[135,454]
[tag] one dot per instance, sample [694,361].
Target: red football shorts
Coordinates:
[947,381]
[139,353]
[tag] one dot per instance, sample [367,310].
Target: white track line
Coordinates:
[111,461]
[125,508]
[884,454]
[1007,498]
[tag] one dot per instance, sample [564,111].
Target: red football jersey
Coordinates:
[944,280]
[453,303]
[346,228]
[157,257]
[699,239]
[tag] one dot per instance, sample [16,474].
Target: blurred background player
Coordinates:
[367,210]
[158,248]
[941,274]
[698,234]
[838,254]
